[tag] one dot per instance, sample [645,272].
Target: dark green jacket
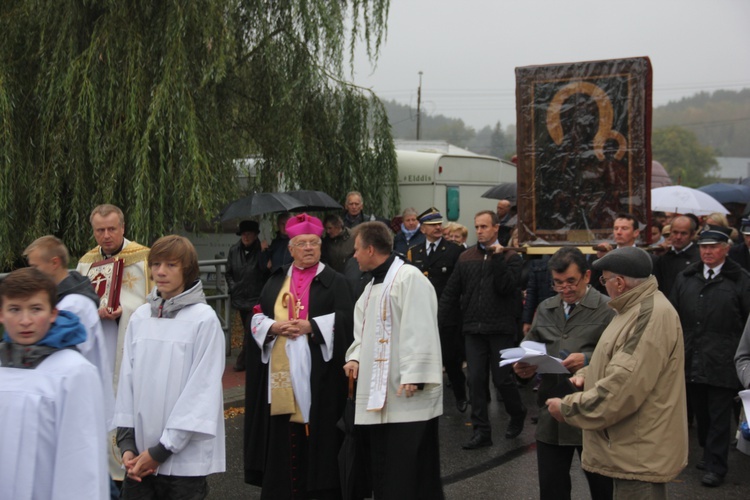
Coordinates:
[579,333]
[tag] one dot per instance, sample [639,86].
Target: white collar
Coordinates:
[436,242]
[678,252]
[717,269]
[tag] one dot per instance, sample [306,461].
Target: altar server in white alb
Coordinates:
[169,408]
[52,435]
[396,359]
[75,294]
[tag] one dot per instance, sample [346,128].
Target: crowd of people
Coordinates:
[126,401]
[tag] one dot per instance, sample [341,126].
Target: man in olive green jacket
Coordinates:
[569,324]
[632,409]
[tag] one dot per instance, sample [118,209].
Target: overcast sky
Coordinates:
[468,49]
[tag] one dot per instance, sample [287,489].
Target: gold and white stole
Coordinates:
[282,397]
[382,340]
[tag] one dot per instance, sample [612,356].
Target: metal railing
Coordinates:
[214,272]
[214,280]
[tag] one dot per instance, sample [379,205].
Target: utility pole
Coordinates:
[419,102]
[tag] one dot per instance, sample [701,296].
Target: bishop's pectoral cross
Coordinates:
[294,307]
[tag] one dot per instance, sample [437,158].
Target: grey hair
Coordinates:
[632,282]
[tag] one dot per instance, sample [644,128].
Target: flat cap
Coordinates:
[627,261]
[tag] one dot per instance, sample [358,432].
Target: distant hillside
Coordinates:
[491,140]
[720,120]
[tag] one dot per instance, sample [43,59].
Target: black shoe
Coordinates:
[701,465]
[478,440]
[515,426]
[239,365]
[712,479]
[462,404]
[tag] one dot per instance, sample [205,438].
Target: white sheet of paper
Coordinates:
[533,353]
[745,396]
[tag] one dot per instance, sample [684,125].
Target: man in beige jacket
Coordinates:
[632,408]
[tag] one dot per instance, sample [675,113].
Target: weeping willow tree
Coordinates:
[148,105]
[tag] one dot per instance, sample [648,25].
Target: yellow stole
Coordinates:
[282,394]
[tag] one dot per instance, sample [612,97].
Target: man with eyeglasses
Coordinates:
[632,408]
[570,324]
[295,391]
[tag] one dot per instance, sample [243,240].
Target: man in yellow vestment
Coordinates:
[108,224]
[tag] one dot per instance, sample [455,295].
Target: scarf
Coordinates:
[409,234]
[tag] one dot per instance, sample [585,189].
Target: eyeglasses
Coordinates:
[569,283]
[604,280]
[307,244]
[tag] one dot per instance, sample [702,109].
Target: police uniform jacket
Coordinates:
[437,266]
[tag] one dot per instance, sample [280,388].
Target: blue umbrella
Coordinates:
[727,193]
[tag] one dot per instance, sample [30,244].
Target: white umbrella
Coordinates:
[684,200]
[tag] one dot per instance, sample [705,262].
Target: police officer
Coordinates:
[436,258]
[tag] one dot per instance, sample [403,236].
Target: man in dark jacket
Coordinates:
[483,299]
[277,254]
[740,253]
[712,298]
[436,257]
[338,245]
[354,214]
[244,277]
[682,254]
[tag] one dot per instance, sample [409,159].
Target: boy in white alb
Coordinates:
[52,433]
[169,407]
[76,295]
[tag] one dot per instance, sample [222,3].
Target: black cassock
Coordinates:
[293,460]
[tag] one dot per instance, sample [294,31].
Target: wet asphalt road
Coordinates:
[505,470]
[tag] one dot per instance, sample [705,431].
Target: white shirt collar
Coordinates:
[683,250]
[717,270]
[436,243]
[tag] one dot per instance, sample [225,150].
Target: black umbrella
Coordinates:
[353,456]
[314,201]
[504,191]
[258,204]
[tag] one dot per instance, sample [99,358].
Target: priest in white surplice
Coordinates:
[396,360]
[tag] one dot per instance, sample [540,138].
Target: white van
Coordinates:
[451,183]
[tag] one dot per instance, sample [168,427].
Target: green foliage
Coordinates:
[686,161]
[720,119]
[147,105]
[441,128]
